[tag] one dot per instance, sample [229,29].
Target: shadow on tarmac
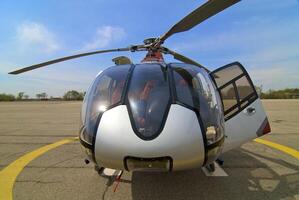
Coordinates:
[249,178]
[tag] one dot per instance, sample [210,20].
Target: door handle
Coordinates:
[250,111]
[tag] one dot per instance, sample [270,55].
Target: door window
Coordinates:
[235,88]
[244,87]
[229,97]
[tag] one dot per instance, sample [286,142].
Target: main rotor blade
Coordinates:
[199,15]
[32,67]
[183,58]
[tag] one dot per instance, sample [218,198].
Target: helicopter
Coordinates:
[158,116]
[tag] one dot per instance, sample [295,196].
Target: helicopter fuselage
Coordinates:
[153,116]
[164,117]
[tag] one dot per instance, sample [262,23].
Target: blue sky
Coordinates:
[262,35]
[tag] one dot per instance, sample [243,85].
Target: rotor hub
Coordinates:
[149,41]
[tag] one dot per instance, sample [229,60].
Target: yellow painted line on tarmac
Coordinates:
[279,147]
[9,174]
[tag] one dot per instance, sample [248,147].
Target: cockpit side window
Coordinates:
[196,90]
[106,92]
[184,82]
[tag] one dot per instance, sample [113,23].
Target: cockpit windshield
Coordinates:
[148,96]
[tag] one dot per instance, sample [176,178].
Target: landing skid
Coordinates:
[112,175]
[107,172]
[98,169]
[214,169]
[210,167]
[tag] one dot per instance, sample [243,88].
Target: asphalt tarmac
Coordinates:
[255,171]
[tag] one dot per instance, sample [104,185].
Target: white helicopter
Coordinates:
[157,116]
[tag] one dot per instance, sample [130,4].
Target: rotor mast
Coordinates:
[154,53]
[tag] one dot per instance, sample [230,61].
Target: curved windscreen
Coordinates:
[195,89]
[106,91]
[148,97]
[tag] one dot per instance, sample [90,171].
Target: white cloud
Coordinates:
[36,35]
[105,35]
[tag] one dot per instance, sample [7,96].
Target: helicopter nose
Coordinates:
[180,141]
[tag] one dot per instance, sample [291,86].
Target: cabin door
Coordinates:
[245,118]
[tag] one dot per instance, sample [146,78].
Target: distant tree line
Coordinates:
[290,93]
[71,95]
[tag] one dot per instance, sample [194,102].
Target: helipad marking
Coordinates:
[280,147]
[9,174]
